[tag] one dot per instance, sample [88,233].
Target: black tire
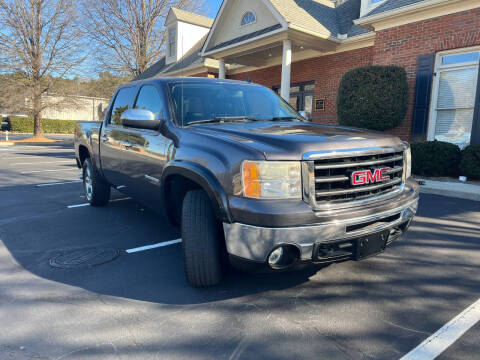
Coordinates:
[97,190]
[200,240]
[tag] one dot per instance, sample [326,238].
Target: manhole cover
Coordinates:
[84,258]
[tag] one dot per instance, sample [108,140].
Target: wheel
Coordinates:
[97,191]
[200,240]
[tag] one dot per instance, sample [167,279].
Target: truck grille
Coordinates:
[333,177]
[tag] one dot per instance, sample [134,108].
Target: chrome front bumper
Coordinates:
[255,243]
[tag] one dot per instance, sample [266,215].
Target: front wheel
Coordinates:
[96,189]
[200,240]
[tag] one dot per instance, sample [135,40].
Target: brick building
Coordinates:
[301,48]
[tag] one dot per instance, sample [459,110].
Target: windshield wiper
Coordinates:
[221,119]
[283,118]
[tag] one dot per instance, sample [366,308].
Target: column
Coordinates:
[221,69]
[286,69]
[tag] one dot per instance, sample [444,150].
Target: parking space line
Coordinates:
[59,183]
[86,204]
[44,162]
[446,335]
[154,246]
[41,171]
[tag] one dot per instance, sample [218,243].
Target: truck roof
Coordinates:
[189,79]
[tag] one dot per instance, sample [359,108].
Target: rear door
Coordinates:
[112,139]
[145,156]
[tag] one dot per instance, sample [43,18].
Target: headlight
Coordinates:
[272,179]
[408,163]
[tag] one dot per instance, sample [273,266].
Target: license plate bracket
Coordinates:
[371,245]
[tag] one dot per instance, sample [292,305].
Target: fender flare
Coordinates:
[206,180]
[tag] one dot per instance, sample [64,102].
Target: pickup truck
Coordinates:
[250,181]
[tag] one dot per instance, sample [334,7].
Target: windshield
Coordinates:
[211,101]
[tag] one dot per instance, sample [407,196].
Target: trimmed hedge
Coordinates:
[373,97]
[470,165]
[435,158]
[50,126]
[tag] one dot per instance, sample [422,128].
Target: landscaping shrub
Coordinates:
[373,97]
[470,165]
[50,126]
[435,158]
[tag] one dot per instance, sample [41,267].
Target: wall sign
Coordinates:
[320,104]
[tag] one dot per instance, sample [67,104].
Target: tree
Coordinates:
[129,34]
[38,39]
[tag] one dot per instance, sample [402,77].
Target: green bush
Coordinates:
[435,158]
[470,165]
[50,126]
[373,97]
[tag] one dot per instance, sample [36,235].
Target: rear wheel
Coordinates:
[200,240]
[97,191]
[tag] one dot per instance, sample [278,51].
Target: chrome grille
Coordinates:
[333,177]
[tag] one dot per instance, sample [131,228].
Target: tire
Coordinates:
[97,190]
[200,240]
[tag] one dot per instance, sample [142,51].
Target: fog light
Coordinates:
[275,256]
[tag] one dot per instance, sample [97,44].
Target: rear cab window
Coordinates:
[123,101]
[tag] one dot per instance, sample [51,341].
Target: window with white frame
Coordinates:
[453,101]
[369,5]
[172,42]
[248,18]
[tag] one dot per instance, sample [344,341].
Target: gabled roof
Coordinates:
[392,5]
[192,18]
[191,58]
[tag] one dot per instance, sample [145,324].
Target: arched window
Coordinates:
[248,18]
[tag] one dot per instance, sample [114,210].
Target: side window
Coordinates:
[149,99]
[122,102]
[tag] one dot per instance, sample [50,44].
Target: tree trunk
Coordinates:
[37,113]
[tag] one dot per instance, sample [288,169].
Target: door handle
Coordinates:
[104,138]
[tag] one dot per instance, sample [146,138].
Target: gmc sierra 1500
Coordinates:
[245,175]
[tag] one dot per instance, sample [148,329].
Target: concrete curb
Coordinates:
[452,189]
[6,143]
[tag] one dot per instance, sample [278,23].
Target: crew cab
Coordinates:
[250,181]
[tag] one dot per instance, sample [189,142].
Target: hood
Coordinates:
[290,140]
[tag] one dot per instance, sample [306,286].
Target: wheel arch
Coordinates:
[197,176]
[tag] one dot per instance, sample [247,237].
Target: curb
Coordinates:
[451,189]
[6,143]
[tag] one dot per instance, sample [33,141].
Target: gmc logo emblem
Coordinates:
[370,176]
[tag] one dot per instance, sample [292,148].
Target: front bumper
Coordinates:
[254,243]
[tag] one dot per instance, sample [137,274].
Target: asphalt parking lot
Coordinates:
[138,305]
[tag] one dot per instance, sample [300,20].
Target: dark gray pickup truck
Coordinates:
[249,180]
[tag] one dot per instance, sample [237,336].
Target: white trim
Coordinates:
[276,13]
[432,121]
[210,33]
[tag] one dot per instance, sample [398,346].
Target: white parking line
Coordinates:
[59,183]
[44,162]
[447,335]
[22,157]
[86,204]
[41,171]
[154,246]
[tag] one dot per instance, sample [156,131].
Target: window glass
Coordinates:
[248,18]
[172,42]
[310,87]
[148,99]
[206,101]
[460,58]
[123,101]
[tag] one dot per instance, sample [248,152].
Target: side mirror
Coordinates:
[140,119]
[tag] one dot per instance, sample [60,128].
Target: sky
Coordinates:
[212,7]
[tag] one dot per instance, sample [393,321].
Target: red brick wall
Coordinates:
[326,71]
[402,45]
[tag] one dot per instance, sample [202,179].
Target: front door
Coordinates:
[145,151]
[301,97]
[453,101]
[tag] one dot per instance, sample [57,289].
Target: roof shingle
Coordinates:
[192,18]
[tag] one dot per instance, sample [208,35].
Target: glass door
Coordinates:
[301,97]
[453,100]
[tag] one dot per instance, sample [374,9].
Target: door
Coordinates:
[145,151]
[453,101]
[111,140]
[301,97]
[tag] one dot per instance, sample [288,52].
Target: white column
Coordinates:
[286,69]
[221,69]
